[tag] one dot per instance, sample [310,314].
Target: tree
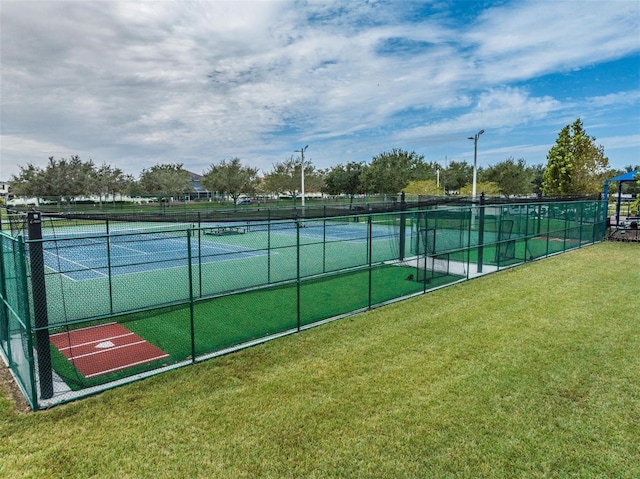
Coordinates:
[109,181]
[286,177]
[69,178]
[511,177]
[489,188]
[538,178]
[65,178]
[231,178]
[423,187]
[283,177]
[575,165]
[427,171]
[390,172]
[314,179]
[29,182]
[165,179]
[457,175]
[632,188]
[345,179]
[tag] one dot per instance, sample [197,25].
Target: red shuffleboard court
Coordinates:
[104,349]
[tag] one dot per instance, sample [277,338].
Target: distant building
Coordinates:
[200,191]
[4,190]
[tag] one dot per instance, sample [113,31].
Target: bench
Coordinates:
[225,230]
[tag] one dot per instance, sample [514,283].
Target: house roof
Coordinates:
[194,176]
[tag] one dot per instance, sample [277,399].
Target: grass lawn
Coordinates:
[530,372]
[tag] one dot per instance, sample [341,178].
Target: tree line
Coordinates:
[575,166]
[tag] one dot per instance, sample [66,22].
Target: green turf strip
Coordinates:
[228,321]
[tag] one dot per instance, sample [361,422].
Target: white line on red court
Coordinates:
[82,329]
[79,345]
[107,350]
[106,371]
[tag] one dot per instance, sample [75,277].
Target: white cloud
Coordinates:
[496,108]
[134,83]
[624,98]
[618,142]
[525,39]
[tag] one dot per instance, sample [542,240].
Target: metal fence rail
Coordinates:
[89,304]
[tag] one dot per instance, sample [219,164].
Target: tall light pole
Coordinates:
[301,151]
[475,160]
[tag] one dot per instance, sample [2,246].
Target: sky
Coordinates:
[135,84]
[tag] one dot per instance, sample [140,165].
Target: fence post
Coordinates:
[604,204]
[324,243]
[41,319]
[403,226]
[269,252]
[199,255]
[481,233]
[370,253]
[298,272]
[546,251]
[471,239]
[109,266]
[191,319]
[28,329]
[526,232]
[4,313]
[421,229]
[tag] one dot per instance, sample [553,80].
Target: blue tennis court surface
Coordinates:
[351,231]
[124,252]
[91,258]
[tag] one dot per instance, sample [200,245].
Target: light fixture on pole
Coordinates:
[301,151]
[475,160]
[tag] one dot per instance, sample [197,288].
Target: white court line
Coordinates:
[82,329]
[148,360]
[206,261]
[86,268]
[206,248]
[130,249]
[213,251]
[207,256]
[95,341]
[226,248]
[207,243]
[106,350]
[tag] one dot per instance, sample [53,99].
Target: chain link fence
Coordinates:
[92,303]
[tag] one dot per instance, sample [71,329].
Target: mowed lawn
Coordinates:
[530,372]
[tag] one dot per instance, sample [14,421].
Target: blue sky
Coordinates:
[133,84]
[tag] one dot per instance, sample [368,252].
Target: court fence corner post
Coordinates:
[38,287]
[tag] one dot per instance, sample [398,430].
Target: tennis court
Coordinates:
[100,302]
[124,269]
[347,229]
[90,258]
[84,255]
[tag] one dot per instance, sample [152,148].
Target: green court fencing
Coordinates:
[92,303]
[173,208]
